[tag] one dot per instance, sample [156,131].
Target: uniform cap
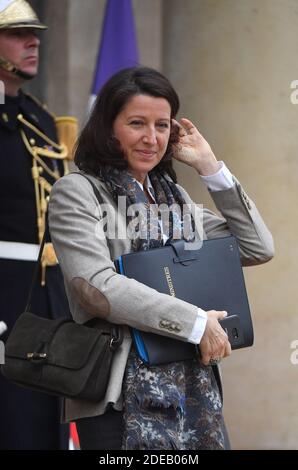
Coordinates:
[18,14]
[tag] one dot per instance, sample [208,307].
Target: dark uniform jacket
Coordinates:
[28,420]
[17,198]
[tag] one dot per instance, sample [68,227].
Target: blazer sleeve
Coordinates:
[91,280]
[241,218]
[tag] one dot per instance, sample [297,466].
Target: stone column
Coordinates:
[232,62]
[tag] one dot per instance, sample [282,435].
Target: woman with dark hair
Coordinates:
[97,144]
[125,150]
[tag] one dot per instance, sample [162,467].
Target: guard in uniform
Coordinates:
[31,160]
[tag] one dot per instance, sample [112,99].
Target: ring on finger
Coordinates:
[214,361]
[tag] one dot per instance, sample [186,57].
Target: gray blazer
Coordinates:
[95,289]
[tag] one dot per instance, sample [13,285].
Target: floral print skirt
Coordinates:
[171,406]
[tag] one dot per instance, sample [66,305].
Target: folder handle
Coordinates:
[182,255]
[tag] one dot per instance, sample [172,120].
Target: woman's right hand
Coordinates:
[214,343]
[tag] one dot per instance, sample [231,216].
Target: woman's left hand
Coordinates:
[193,149]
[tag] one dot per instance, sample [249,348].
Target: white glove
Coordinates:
[3,327]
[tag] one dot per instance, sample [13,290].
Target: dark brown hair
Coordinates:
[96,145]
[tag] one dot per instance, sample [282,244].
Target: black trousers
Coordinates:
[102,432]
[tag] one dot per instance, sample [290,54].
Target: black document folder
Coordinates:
[210,277]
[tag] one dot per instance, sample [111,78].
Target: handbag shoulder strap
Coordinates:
[47,234]
[95,189]
[115,330]
[36,269]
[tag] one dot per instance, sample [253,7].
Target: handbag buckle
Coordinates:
[116,337]
[35,356]
[113,343]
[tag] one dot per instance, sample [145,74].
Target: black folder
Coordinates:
[210,277]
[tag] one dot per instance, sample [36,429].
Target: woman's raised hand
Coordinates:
[193,149]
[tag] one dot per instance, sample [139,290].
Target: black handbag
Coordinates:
[61,357]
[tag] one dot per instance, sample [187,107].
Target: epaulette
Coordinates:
[39,103]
